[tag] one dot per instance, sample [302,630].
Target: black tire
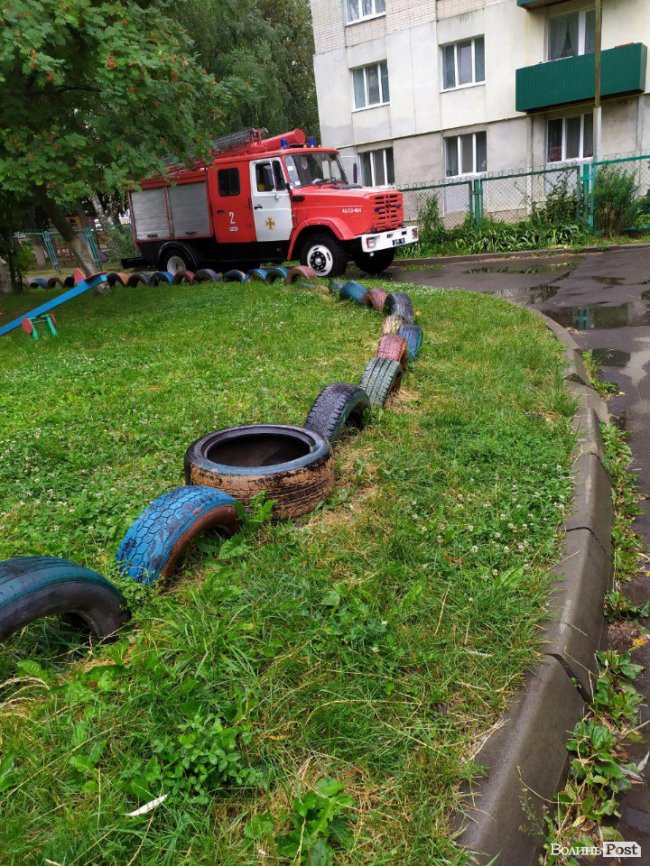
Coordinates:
[32,587]
[337,406]
[207,275]
[136,279]
[374,263]
[324,254]
[380,379]
[399,304]
[413,336]
[177,257]
[292,465]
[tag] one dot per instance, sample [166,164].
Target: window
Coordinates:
[570,35]
[228,181]
[570,138]
[377,167]
[466,154]
[371,85]
[357,10]
[463,63]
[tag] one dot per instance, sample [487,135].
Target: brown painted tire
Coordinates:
[394,348]
[292,465]
[392,324]
[183,278]
[377,299]
[301,272]
[54,283]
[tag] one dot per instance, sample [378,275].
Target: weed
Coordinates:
[601,386]
[616,200]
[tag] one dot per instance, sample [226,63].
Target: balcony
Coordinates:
[560,82]
[534,4]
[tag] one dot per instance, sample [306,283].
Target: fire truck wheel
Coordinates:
[177,258]
[376,263]
[325,255]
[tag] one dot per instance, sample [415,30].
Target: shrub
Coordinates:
[616,202]
[432,228]
[562,205]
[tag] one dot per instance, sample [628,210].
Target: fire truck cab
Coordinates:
[266,200]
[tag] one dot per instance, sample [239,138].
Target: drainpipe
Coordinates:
[597,67]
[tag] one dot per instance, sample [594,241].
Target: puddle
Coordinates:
[598,317]
[546,268]
[603,281]
[611,357]
[532,295]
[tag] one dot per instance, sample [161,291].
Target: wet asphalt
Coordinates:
[603,298]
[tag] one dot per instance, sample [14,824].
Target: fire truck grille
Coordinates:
[388,210]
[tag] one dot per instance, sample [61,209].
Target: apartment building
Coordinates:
[430,90]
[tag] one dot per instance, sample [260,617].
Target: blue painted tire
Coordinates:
[336,286]
[258,274]
[399,304]
[380,379]
[32,587]
[38,283]
[136,279]
[161,277]
[274,274]
[413,336]
[354,292]
[339,405]
[159,536]
[207,275]
[235,277]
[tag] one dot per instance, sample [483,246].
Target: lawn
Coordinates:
[310,691]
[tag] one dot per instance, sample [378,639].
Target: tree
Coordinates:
[95,95]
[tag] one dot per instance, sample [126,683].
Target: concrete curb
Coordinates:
[525,758]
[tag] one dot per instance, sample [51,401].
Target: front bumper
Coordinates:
[389,240]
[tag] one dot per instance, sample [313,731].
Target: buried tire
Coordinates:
[33,587]
[394,347]
[413,336]
[399,304]
[292,465]
[160,535]
[337,406]
[380,379]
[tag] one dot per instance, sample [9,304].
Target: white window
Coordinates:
[371,85]
[466,154]
[377,167]
[463,63]
[570,35]
[570,138]
[357,10]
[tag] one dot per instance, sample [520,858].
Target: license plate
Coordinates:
[399,241]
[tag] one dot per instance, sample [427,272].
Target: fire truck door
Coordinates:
[271,201]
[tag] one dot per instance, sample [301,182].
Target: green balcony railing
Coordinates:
[559,82]
[533,4]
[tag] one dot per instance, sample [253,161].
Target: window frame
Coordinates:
[564,158]
[374,14]
[364,69]
[372,157]
[474,82]
[582,33]
[459,153]
[229,173]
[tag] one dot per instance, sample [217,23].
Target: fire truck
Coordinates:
[266,199]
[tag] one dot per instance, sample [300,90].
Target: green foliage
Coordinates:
[562,205]
[616,200]
[93,95]
[602,386]
[120,242]
[627,544]
[432,229]
[619,606]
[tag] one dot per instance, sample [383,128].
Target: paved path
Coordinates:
[605,297]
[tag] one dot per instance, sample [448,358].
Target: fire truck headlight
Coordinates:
[371,243]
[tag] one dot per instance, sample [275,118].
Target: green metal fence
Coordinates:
[513,196]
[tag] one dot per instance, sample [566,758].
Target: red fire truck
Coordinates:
[266,200]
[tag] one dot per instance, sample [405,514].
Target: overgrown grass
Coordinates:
[372,642]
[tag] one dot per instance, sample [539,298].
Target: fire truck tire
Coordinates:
[33,587]
[392,324]
[377,298]
[161,277]
[380,379]
[292,465]
[394,347]
[399,304]
[177,257]
[161,534]
[376,263]
[352,291]
[183,277]
[207,275]
[324,254]
[235,276]
[337,406]
[274,274]
[38,283]
[136,279]
[413,336]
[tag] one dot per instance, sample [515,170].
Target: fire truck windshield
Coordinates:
[305,169]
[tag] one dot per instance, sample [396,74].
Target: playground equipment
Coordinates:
[29,325]
[83,284]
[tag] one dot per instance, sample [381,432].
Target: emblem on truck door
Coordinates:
[270,224]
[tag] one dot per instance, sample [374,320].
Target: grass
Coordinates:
[312,691]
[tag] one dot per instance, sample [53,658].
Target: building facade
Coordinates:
[430,90]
